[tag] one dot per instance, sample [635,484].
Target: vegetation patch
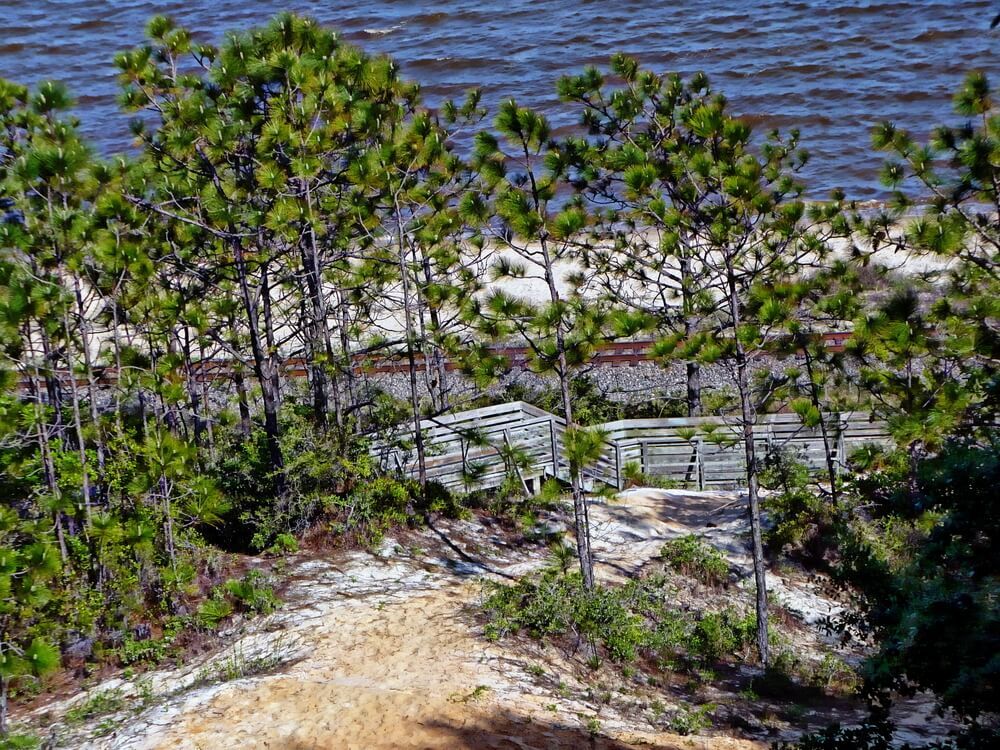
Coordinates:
[693,556]
[635,623]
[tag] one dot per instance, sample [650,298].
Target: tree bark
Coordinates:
[581,513]
[263,365]
[748,418]
[831,468]
[410,332]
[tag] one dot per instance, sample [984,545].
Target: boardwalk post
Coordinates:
[699,464]
[554,447]
[643,458]
[841,446]
[619,482]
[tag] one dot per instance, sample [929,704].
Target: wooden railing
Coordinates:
[481,448]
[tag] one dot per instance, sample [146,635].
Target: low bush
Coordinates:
[691,720]
[693,556]
[251,594]
[635,477]
[628,623]
[800,519]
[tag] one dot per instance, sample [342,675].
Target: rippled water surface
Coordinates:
[832,68]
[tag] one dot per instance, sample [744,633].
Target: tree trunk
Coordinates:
[81,443]
[693,389]
[693,368]
[263,365]
[318,329]
[206,403]
[418,438]
[581,513]
[45,449]
[831,468]
[748,418]
[243,402]
[436,365]
[193,391]
[3,706]
[318,344]
[91,388]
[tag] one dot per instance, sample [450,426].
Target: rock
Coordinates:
[749,723]
[142,631]
[81,647]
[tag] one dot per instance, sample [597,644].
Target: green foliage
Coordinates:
[931,600]
[20,741]
[693,556]
[692,719]
[372,507]
[634,477]
[637,620]
[213,611]
[253,593]
[801,519]
[253,221]
[591,405]
[99,703]
[716,634]
[284,544]
[237,665]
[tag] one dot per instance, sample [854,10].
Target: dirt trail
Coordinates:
[385,651]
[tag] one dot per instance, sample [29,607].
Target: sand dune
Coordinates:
[386,651]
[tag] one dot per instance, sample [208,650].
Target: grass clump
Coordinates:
[635,477]
[634,623]
[693,556]
[238,665]
[20,741]
[97,704]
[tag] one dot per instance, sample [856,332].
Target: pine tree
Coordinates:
[931,353]
[640,144]
[749,231]
[538,239]
[420,186]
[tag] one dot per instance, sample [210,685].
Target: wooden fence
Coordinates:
[480,448]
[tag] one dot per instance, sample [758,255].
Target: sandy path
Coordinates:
[385,652]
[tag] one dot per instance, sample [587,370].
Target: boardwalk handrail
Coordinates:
[469,444]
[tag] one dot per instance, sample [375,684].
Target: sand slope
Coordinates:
[385,651]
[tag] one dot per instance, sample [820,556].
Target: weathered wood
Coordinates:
[712,458]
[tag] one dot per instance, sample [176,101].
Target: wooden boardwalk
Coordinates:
[476,449]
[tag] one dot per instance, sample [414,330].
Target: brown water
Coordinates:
[832,68]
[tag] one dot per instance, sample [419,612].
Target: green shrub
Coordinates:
[20,742]
[691,720]
[635,477]
[693,556]
[284,544]
[100,703]
[626,622]
[716,634]
[373,506]
[541,608]
[252,593]
[212,612]
[150,650]
[799,518]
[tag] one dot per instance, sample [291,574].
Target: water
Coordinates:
[832,68]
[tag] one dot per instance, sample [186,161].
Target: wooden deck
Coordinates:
[475,448]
